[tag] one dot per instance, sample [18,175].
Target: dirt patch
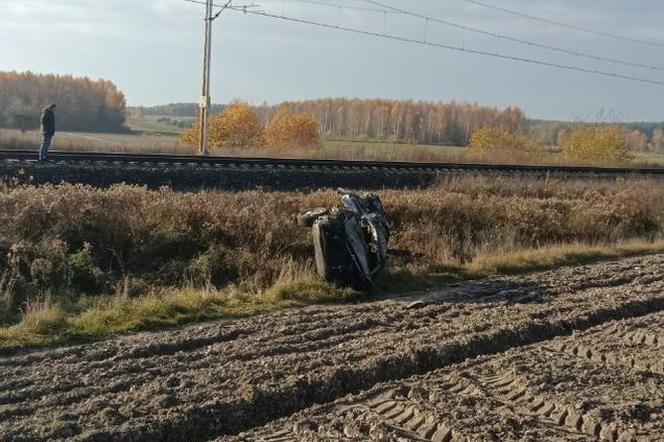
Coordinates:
[222,378]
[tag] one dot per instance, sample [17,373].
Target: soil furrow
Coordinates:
[529,393]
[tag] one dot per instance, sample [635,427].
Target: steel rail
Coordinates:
[269,162]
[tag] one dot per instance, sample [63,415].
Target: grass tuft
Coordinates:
[308,290]
[38,326]
[520,261]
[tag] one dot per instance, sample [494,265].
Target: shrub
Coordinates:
[75,241]
[158,257]
[595,144]
[85,275]
[236,126]
[287,129]
[214,267]
[492,141]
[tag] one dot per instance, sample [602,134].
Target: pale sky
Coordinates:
[152,49]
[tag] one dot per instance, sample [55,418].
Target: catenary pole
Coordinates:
[205,93]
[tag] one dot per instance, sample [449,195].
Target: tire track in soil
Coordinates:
[203,382]
[410,420]
[637,346]
[423,361]
[515,393]
[655,340]
[646,363]
[70,391]
[402,414]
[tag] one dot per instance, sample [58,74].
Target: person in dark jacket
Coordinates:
[47,130]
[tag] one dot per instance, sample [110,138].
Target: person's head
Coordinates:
[51,107]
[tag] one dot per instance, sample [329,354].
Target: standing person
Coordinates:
[47,130]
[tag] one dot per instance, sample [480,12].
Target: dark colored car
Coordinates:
[350,242]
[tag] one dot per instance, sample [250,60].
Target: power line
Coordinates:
[340,27]
[222,9]
[384,35]
[566,25]
[311,2]
[354,8]
[514,39]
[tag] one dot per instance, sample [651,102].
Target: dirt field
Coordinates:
[573,354]
[606,383]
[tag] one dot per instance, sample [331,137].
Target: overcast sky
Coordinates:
[152,50]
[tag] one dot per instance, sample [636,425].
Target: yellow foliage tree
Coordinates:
[595,144]
[658,139]
[287,129]
[488,141]
[236,126]
[636,141]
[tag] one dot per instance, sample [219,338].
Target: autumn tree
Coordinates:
[83,104]
[492,141]
[657,141]
[288,129]
[235,127]
[401,120]
[595,144]
[636,141]
[562,135]
[512,119]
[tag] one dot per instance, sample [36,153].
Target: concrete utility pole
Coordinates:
[205,94]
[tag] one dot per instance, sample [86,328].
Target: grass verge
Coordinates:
[53,324]
[47,324]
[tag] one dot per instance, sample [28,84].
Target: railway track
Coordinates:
[101,158]
[191,173]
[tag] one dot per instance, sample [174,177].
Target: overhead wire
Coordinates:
[311,2]
[514,39]
[222,8]
[354,8]
[339,27]
[566,25]
[447,46]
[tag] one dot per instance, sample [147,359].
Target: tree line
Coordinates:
[177,109]
[390,120]
[402,120]
[83,104]
[424,122]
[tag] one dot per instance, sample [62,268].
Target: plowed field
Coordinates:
[573,354]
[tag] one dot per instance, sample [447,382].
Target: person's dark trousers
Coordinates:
[46,143]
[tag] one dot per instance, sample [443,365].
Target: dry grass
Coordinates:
[107,315]
[553,256]
[151,142]
[52,324]
[170,144]
[96,142]
[79,261]
[512,262]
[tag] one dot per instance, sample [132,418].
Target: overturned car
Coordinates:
[350,241]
